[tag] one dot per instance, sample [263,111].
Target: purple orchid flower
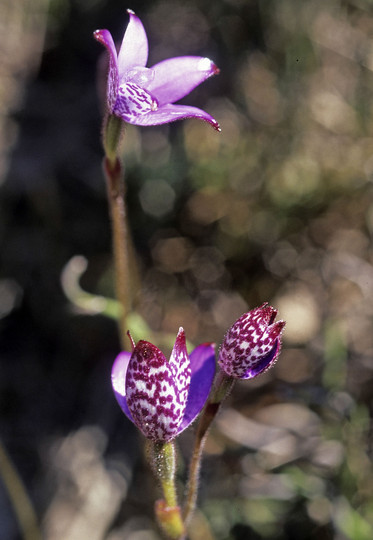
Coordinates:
[163,397]
[145,96]
[252,345]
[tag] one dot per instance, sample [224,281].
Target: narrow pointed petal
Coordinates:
[171,113]
[152,393]
[118,381]
[202,363]
[180,365]
[134,49]
[176,77]
[104,37]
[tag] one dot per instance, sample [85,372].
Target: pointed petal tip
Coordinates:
[280,325]
[180,338]
[210,121]
[132,14]
[215,69]
[215,125]
[133,344]
[208,66]
[97,34]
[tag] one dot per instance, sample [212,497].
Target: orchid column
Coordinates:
[144,97]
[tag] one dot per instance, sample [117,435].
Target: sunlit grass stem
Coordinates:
[17,494]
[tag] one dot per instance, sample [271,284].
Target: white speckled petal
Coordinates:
[180,366]
[152,393]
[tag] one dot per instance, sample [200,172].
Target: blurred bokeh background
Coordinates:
[278,207]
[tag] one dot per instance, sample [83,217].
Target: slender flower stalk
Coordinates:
[163,461]
[222,387]
[250,347]
[116,196]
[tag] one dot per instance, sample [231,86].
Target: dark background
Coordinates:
[278,208]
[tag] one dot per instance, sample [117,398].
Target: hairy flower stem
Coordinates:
[163,461]
[223,385]
[113,170]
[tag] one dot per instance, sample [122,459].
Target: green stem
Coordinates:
[164,465]
[18,496]
[112,133]
[163,461]
[222,387]
[116,198]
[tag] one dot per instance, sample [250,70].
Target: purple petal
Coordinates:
[171,113]
[104,37]
[134,49]
[118,381]
[202,363]
[264,363]
[176,77]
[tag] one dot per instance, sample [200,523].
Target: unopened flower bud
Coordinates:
[252,345]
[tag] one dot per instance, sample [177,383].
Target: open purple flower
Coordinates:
[252,345]
[146,96]
[162,397]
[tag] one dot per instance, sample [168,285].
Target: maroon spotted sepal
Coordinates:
[252,345]
[163,397]
[157,389]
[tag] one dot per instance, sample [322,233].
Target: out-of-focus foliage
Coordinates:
[278,207]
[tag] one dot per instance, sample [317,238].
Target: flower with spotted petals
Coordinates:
[162,397]
[252,345]
[146,96]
